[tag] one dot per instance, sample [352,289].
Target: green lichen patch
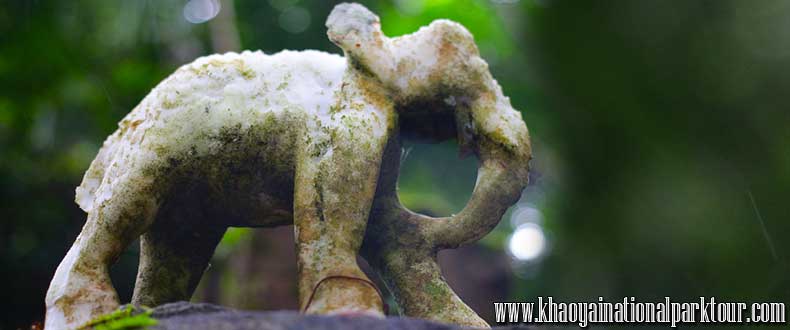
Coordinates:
[125,318]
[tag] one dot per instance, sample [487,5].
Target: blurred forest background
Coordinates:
[661,135]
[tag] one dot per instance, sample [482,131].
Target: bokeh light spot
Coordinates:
[201,11]
[295,19]
[527,242]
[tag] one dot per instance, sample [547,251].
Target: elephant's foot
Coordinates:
[84,296]
[346,295]
[78,312]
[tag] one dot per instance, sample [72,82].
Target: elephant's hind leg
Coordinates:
[173,255]
[81,288]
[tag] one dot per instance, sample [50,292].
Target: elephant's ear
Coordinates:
[357,31]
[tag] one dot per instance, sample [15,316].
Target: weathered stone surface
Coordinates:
[186,316]
[306,138]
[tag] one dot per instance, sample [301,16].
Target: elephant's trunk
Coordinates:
[402,245]
[397,247]
[497,135]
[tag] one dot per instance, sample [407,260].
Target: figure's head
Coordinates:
[350,24]
[357,31]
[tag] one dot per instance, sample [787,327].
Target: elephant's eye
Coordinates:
[467,132]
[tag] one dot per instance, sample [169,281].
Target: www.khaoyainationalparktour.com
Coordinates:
[706,310]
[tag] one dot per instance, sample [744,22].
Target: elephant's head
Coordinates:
[442,89]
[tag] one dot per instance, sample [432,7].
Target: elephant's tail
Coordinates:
[86,192]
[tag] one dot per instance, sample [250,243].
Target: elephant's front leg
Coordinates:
[336,180]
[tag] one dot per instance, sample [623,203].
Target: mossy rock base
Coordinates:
[187,316]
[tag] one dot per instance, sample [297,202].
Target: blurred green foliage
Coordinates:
[661,132]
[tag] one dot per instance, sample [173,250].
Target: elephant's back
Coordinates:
[217,107]
[237,91]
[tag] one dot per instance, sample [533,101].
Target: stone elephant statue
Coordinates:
[307,138]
